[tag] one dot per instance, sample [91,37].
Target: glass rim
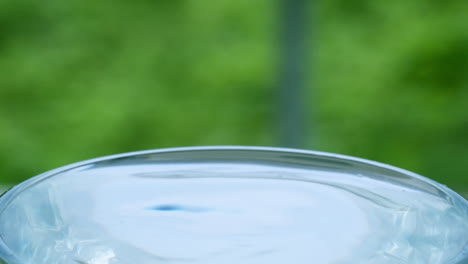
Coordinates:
[6,196]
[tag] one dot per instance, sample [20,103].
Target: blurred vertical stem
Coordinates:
[291,72]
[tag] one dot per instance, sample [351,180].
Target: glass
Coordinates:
[227,205]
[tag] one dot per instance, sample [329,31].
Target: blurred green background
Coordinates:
[385,80]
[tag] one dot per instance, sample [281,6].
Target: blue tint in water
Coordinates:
[177,208]
[170,207]
[251,208]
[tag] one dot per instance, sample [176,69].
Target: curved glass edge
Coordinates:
[248,154]
[7,257]
[244,154]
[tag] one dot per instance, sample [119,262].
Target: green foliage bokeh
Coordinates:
[386,81]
